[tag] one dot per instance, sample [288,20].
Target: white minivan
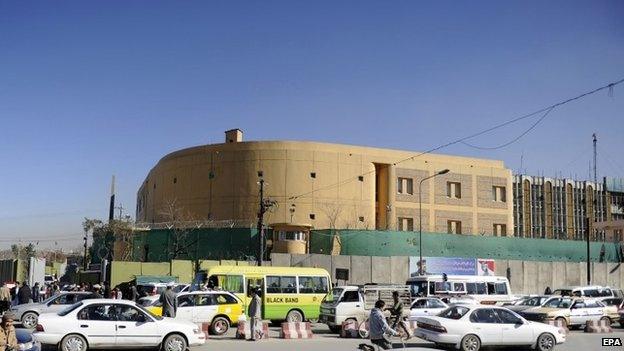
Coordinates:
[355,303]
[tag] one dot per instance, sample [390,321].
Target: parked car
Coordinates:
[115,323]
[25,341]
[28,314]
[219,308]
[573,312]
[468,328]
[529,302]
[426,306]
[595,291]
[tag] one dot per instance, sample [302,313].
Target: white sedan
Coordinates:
[470,327]
[108,323]
[426,306]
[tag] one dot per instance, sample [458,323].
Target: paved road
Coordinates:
[325,341]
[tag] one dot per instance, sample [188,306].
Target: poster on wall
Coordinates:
[485,266]
[448,265]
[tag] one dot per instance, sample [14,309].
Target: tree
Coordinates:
[112,240]
[23,252]
[178,221]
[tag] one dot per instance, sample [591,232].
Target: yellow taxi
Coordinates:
[219,308]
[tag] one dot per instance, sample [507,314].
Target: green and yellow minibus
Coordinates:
[293,294]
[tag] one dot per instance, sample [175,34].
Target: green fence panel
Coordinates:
[392,243]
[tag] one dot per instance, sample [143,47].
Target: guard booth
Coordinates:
[291,238]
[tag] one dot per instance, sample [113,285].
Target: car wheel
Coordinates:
[29,320]
[546,342]
[73,342]
[294,316]
[219,326]
[174,342]
[470,342]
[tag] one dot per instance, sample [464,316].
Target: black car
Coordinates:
[25,341]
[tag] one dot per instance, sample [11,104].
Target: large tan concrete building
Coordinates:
[324,185]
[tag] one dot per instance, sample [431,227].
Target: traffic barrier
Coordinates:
[204,327]
[349,329]
[561,325]
[601,326]
[296,330]
[243,330]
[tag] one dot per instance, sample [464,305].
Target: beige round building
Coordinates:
[321,185]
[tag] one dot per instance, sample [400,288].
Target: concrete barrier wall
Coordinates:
[525,277]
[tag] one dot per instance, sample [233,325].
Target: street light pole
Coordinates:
[420,251]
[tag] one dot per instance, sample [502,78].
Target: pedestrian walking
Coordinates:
[379,327]
[5,298]
[255,315]
[35,292]
[24,295]
[134,293]
[8,339]
[396,315]
[168,301]
[96,291]
[547,291]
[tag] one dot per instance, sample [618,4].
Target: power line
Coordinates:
[545,110]
[513,140]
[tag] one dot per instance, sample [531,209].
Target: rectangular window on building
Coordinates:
[453,190]
[405,186]
[405,224]
[499,193]
[454,227]
[500,229]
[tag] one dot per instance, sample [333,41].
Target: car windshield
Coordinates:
[455,312]
[333,295]
[558,302]
[146,302]
[67,310]
[149,313]
[418,288]
[532,301]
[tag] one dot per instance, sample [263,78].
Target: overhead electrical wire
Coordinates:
[545,110]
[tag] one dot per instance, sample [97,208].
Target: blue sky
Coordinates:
[94,88]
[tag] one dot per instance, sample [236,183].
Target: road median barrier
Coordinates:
[296,330]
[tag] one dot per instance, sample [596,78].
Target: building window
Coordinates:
[312,174]
[260,174]
[499,194]
[454,227]
[453,190]
[175,180]
[406,224]
[290,235]
[405,186]
[361,178]
[361,218]
[312,216]
[500,229]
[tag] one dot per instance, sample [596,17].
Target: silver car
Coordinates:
[29,313]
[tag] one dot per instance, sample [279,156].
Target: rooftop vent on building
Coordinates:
[233,136]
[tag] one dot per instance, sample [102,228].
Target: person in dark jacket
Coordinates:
[134,293]
[35,293]
[24,295]
[169,303]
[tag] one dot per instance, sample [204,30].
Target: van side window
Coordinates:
[351,296]
[501,288]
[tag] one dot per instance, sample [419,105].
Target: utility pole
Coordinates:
[587,222]
[111,208]
[261,211]
[84,261]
